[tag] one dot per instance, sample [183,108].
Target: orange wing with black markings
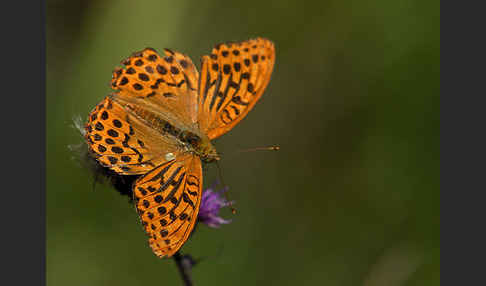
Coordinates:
[165,83]
[233,78]
[167,200]
[121,142]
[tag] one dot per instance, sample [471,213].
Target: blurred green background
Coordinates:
[352,198]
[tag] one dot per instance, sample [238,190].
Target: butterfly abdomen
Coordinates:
[154,120]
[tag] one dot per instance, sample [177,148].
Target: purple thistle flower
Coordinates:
[211,203]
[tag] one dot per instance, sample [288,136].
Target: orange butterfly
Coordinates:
[160,122]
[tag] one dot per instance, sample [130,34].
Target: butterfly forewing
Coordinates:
[167,200]
[167,83]
[233,78]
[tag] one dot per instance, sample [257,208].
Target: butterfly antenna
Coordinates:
[233,210]
[270,148]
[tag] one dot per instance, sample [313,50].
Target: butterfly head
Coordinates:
[207,152]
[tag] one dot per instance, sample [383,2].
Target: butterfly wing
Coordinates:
[123,143]
[167,200]
[233,78]
[166,84]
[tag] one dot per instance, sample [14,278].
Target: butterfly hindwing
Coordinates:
[122,143]
[233,77]
[167,200]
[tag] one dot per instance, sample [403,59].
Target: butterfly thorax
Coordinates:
[206,151]
[199,145]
